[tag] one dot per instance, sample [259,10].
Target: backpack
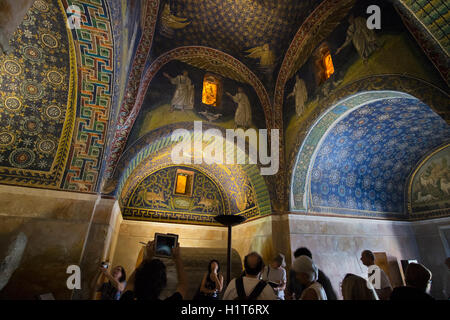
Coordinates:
[255,292]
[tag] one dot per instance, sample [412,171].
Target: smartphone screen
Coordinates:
[164,245]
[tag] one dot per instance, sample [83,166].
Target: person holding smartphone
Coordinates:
[150,278]
[113,288]
[212,282]
[275,275]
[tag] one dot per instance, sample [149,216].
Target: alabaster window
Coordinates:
[324,64]
[184,181]
[212,90]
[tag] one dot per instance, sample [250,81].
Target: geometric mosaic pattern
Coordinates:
[435,14]
[429,23]
[361,164]
[96,74]
[37,83]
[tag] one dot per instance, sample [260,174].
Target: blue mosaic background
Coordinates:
[364,161]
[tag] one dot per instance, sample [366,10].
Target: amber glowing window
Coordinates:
[324,64]
[328,64]
[181,184]
[184,182]
[209,95]
[211,90]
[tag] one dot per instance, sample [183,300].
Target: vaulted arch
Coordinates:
[357,157]
[212,60]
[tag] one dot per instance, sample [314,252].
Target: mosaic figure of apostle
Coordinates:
[364,39]
[300,94]
[183,99]
[243,115]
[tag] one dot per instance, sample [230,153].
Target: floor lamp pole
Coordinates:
[229,256]
[229,220]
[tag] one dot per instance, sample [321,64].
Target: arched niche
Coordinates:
[356,158]
[243,188]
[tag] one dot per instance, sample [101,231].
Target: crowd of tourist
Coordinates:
[261,282]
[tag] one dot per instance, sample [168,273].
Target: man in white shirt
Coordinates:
[275,274]
[383,286]
[253,264]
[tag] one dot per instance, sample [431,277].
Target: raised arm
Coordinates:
[149,252]
[119,285]
[350,32]
[182,279]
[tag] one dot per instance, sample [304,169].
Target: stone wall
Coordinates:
[267,236]
[433,240]
[199,244]
[336,244]
[56,224]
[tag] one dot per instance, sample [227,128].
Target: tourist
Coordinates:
[212,283]
[295,288]
[248,286]
[307,273]
[385,289]
[356,288]
[275,274]
[112,289]
[418,284]
[150,278]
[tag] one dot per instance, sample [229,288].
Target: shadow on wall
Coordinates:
[42,267]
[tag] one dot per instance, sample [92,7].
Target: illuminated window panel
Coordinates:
[328,63]
[209,94]
[212,90]
[181,184]
[184,183]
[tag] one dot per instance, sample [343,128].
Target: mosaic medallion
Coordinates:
[55,77]
[21,158]
[53,111]
[13,104]
[32,90]
[46,146]
[12,67]
[49,40]
[6,139]
[41,5]
[31,125]
[32,53]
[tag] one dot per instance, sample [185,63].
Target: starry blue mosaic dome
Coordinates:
[363,161]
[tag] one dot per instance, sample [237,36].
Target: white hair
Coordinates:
[304,264]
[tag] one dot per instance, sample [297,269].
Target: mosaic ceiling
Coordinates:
[240,28]
[36,106]
[361,162]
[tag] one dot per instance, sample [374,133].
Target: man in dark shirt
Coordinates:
[418,284]
[295,288]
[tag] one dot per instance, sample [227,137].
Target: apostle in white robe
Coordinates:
[364,39]
[183,99]
[300,94]
[243,115]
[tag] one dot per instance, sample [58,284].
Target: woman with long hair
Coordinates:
[212,283]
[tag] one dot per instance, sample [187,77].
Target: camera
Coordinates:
[164,244]
[105,265]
